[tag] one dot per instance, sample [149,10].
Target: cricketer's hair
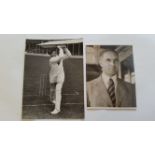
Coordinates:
[52,50]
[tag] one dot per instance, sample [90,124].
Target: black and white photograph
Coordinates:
[53,79]
[110,76]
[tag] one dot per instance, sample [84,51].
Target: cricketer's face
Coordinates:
[54,53]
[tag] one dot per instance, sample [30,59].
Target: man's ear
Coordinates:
[100,62]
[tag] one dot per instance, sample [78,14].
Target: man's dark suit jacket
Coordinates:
[98,96]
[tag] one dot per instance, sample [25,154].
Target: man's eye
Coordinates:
[108,60]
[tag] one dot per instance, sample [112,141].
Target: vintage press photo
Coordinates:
[110,77]
[53,79]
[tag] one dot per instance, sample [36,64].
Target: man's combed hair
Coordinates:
[107,50]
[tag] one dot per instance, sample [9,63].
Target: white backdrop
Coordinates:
[12,65]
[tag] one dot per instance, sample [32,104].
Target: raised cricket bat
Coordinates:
[60,43]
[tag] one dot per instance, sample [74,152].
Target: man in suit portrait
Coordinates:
[107,90]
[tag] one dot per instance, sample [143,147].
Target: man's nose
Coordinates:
[112,63]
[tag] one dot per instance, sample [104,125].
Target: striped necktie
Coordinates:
[111,91]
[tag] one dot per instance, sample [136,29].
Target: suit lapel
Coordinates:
[104,98]
[121,93]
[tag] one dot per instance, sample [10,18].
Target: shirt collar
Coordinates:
[106,78]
